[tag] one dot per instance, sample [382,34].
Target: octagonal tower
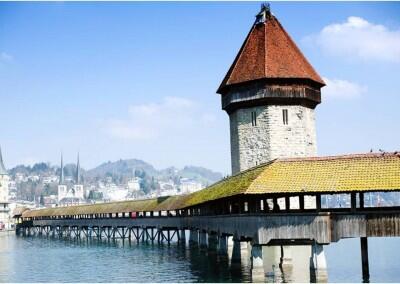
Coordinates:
[270,93]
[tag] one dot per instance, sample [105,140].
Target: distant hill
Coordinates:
[131,167]
[201,174]
[121,167]
[122,170]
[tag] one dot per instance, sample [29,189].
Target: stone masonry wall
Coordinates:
[271,138]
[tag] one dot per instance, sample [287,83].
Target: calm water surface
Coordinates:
[41,259]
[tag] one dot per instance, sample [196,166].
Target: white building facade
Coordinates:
[71,195]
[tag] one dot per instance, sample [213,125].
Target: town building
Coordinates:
[4,209]
[67,194]
[188,186]
[134,184]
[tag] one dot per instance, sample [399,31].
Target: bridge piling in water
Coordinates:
[236,250]
[212,241]
[257,264]
[203,239]
[182,236]
[286,263]
[193,237]
[318,267]
[364,259]
[223,244]
[272,257]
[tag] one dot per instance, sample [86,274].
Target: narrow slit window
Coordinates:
[253,118]
[285,116]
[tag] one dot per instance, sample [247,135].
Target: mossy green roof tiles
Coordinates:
[364,172]
[234,185]
[367,172]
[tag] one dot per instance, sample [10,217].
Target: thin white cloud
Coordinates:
[172,116]
[342,89]
[359,38]
[5,57]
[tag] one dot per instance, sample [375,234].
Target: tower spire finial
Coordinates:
[264,13]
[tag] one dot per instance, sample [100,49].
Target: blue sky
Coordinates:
[138,80]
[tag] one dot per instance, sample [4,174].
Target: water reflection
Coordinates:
[41,259]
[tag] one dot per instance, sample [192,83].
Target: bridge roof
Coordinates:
[360,172]
[332,174]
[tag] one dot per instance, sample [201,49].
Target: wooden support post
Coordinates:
[318,201]
[287,203]
[318,267]
[361,195]
[364,259]
[143,235]
[193,237]
[301,201]
[159,236]
[203,239]
[223,244]
[212,241]
[236,250]
[182,237]
[353,201]
[257,264]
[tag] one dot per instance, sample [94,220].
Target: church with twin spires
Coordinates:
[71,194]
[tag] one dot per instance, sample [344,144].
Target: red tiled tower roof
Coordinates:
[269,53]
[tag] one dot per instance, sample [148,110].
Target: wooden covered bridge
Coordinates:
[286,202]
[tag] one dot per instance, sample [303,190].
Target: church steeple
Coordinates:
[78,171]
[62,171]
[3,170]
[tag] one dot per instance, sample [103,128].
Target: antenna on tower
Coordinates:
[265,6]
[264,13]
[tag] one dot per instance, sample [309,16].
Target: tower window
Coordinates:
[285,116]
[253,118]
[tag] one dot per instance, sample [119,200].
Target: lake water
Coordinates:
[41,259]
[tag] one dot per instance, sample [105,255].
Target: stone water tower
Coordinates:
[270,93]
